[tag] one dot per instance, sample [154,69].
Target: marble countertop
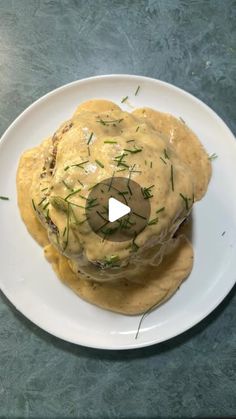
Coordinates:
[44,44]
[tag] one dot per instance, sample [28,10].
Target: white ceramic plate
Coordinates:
[28,280]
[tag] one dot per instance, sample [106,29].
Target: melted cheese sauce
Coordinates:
[154,272]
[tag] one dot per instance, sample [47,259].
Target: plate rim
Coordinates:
[231,138]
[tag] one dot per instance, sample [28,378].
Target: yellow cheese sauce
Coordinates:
[84,151]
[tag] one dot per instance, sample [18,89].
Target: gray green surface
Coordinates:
[44,44]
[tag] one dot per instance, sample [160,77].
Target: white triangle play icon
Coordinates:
[116,209]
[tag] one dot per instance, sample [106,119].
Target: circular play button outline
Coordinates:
[117,194]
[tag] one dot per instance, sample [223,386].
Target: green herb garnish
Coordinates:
[72,193]
[40,203]
[153,221]
[108,122]
[139,215]
[80,165]
[66,185]
[124,99]
[185,200]
[91,203]
[137,129]
[182,120]
[163,160]
[45,206]
[212,157]
[137,90]
[147,192]
[120,160]
[133,151]
[4,198]
[101,216]
[67,226]
[110,142]
[33,205]
[172,178]
[120,170]
[159,210]
[80,182]
[165,154]
[111,261]
[90,138]
[100,164]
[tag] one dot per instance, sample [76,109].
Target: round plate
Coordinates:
[28,280]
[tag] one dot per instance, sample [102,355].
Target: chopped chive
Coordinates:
[123,193]
[91,187]
[33,205]
[110,142]
[45,206]
[80,182]
[42,201]
[91,203]
[130,191]
[159,210]
[134,171]
[64,232]
[151,164]
[100,164]
[107,122]
[89,151]
[77,165]
[165,154]
[212,156]
[182,120]
[67,226]
[101,216]
[90,138]
[120,160]
[111,181]
[4,198]
[134,150]
[137,90]
[223,233]
[124,99]
[75,205]
[147,193]
[163,160]
[72,193]
[185,200]
[130,141]
[44,189]
[139,215]
[153,221]
[66,185]
[137,129]
[172,178]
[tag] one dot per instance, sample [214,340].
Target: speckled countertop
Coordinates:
[44,44]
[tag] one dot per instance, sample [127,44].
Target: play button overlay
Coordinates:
[117,209]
